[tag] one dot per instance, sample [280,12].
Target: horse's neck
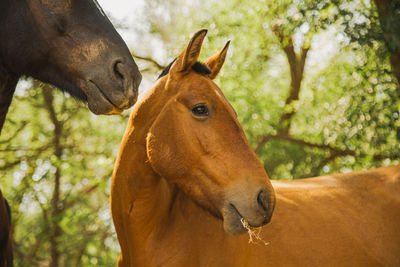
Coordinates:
[170,229]
[132,167]
[150,214]
[164,222]
[134,181]
[7,88]
[8,81]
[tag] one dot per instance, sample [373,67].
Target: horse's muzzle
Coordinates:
[255,209]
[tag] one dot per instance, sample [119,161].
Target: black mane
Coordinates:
[198,67]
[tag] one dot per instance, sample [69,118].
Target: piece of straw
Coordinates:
[253,232]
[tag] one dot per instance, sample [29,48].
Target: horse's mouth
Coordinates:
[233,221]
[98,102]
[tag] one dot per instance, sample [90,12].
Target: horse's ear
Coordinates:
[191,53]
[215,62]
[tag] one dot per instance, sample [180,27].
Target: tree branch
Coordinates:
[388,12]
[262,141]
[86,191]
[6,141]
[286,137]
[331,157]
[151,60]
[10,164]
[334,151]
[22,254]
[296,65]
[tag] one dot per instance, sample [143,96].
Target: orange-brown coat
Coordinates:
[185,178]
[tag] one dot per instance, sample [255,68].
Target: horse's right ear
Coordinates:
[190,54]
[215,62]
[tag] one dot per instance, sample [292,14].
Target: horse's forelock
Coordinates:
[198,67]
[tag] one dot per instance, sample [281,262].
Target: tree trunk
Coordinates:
[296,62]
[388,11]
[56,230]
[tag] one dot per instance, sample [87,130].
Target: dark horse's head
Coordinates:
[72,45]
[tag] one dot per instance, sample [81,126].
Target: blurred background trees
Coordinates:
[314,83]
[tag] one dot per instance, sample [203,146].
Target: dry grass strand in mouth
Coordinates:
[253,232]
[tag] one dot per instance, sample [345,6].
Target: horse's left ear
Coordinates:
[215,62]
[191,53]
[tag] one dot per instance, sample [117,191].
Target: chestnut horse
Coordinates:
[184,153]
[186,176]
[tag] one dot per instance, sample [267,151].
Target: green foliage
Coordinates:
[89,144]
[345,118]
[351,104]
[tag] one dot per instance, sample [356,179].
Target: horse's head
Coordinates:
[197,143]
[72,45]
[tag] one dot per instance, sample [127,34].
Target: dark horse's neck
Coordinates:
[7,87]
[8,80]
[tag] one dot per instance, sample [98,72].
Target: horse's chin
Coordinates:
[232,221]
[98,103]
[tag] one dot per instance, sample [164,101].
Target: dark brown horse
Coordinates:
[6,255]
[72,45]
[186,176]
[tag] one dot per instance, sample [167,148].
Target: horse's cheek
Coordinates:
[158,154]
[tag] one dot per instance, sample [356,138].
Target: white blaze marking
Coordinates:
[99,7]
[218,93]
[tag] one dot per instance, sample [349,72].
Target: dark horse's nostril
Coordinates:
[118,70]
[263,200]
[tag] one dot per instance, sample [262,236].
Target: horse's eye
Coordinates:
[200,110]
[61,25]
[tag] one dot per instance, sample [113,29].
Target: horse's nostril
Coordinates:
[118,70]
[263,200]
